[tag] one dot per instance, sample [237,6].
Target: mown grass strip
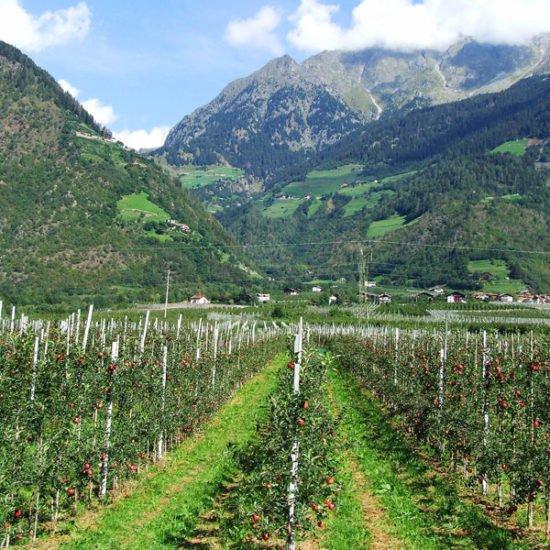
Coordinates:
[347,528]
[168,502]
[425,508]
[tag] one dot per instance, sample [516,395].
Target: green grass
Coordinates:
[193,177]
[514,198]
[370,201]
[380,228]
[137,205]
[314,208]
[358,190]
[516,147]
[397,177]
[500,271]
[324,182]
[282,208]
[161,238]
[425,510]
[169,500]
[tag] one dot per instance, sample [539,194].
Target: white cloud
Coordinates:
[142,139]
[67,87]
[103,114]
[313,27]
[257,32]
[404,24]
[51,28]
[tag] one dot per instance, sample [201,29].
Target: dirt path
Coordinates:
[406,502]
[164,505]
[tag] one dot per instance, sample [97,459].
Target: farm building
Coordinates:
[263,298]
[179,226]
[292,291]
[316,289]
[383,298]
[437,290]
[199,300]
[507,298]
[456,298]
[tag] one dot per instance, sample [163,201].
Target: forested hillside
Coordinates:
[434,193]
[64,234]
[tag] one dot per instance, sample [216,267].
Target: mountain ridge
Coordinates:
[286,110]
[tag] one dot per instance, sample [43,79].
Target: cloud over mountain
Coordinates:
[257,32]
[409,24]
[143,139]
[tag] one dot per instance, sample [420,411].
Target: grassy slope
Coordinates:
[379,228]
[192,177]
[322,182]
[516,147]
[500,272]
[170,498]
[133,207]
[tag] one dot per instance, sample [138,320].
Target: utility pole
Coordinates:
[167,289]
[362,277]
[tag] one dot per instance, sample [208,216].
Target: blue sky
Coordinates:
[142,65]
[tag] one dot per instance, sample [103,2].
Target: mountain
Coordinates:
[286,112]
[433,193]
[84,218]
[268,119]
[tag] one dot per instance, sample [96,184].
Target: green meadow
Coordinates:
[138,206]
[516,147]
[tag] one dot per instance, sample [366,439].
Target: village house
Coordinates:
[316,289]
[292,291]
[263,298]
[456,298]
[179,226]
[507,298]
[383,298]
[437,290]
[199,300]
[333,299]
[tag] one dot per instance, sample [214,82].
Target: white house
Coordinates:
[263,298]
[507,298]
[316,289]
[437,290]
[199,300]
[332,300]
[456,298]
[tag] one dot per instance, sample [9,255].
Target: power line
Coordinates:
[177,246]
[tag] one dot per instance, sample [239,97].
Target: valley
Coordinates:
[317,317]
